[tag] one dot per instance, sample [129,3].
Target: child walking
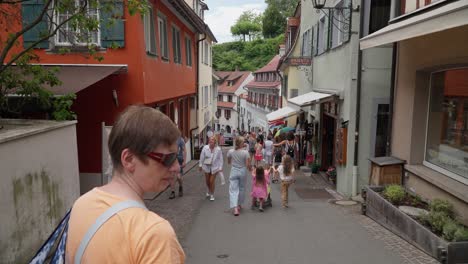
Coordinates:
[258,151]
[259,187]
[286,172]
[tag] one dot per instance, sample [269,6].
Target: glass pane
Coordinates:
[447,135]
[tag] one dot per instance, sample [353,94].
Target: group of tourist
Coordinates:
[269,159]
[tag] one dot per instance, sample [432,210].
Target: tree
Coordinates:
[35,22]
[248,24]
[276,13]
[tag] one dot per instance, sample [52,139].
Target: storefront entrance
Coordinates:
[328,141]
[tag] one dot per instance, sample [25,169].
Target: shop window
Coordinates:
[447,130]
[381,134]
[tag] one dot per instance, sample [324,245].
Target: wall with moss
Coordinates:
[38,185]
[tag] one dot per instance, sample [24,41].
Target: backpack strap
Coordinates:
[100,221]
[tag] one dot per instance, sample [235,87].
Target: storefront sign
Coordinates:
[300,61]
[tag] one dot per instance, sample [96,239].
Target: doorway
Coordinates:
[328,141]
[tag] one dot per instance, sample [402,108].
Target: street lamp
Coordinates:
[320,4]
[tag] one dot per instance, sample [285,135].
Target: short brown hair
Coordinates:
[140,129]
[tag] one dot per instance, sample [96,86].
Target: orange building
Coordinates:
[155,64]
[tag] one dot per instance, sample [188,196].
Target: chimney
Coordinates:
[282,50]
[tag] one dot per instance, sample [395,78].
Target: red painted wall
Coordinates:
[149,80]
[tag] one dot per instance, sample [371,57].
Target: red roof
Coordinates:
[237,77]
[226,104]
[271,66]
[270,85]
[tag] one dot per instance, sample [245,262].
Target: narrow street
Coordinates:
[310,231]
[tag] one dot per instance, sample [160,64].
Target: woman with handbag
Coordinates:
[211,163]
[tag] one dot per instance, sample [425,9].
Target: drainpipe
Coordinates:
[358,104]
[388,150]
[197,84]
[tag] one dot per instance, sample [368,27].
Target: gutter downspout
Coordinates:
[197,84]
[388,150]
[358,105]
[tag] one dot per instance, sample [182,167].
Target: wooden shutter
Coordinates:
[30,11]
[112,25]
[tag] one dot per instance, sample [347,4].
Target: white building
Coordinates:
[206,90]
[230,87]
[263,95]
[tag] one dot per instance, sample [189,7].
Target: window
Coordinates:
[206,53]
[162,27]
[322,35]
[230,98]
[68,35]
[150,34]
[306,48]
[227,114]
[218,113]
[211,57]
[381,134]
[230,83]
[206,96]
[188,51]
[220,98]
[379,15]
[294,93]
[176,45]
[202,47]
[337,27]
[447,129]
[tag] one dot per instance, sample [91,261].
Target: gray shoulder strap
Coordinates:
[100,221]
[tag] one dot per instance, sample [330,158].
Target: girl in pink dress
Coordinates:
[259,187]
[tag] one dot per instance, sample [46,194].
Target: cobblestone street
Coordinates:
[188,214]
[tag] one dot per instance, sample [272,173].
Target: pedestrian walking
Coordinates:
[258,151]
[286,172]
[239,159]
[181,155]
[143,149]
[252,141]
[211,163]
[259,188]
[269,151]
[291,148]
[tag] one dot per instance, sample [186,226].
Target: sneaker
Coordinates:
[260,208]
[236,211]
[212,198]
[172,196]
[207,195]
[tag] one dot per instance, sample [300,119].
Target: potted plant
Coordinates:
[331,173]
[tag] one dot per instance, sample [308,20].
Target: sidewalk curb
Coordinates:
[167,187]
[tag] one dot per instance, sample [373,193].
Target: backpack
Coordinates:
[290,150]
[53,249]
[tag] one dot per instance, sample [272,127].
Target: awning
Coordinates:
[281,113]
[441,18]
[310,99]
[76,77]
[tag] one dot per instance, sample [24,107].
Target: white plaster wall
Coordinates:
[205,79]
[376,84]
[39,184]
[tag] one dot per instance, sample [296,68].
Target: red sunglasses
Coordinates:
[165,159]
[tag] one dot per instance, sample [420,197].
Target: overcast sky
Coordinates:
[224,13]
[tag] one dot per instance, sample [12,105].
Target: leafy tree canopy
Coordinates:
[276,13]
[248,24]
[245,56]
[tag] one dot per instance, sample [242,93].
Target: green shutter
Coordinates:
[30,10]
[329,28]
[112,25]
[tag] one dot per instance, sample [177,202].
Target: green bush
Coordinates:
[461,234]
[449,229]
[438,220]
[394,193]
[443,206]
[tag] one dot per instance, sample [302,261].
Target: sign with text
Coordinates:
[300,61]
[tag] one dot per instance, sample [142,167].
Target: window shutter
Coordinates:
[112,25]
[316,38]
[30,10]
